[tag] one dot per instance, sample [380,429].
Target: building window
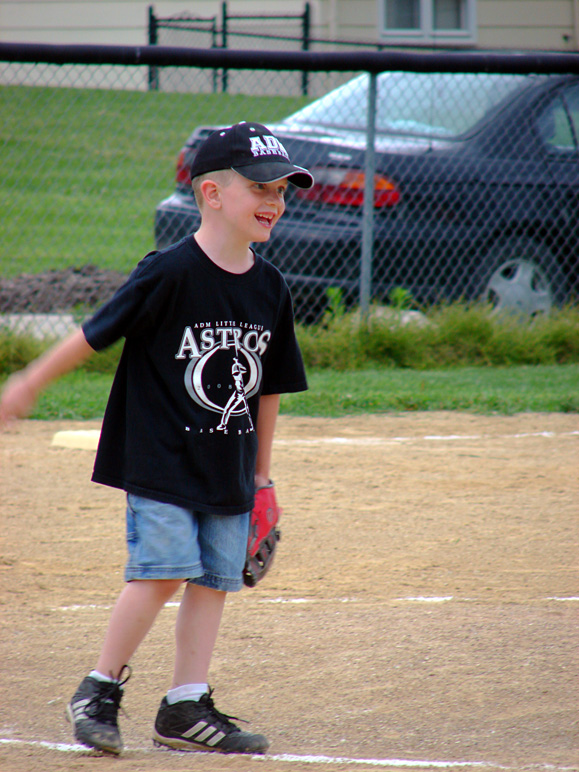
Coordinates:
[428,21]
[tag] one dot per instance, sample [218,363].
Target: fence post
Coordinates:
[306,23]
[368,212]
[224,43]
[153,78]
[214,44]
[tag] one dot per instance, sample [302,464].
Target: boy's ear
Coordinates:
[211,193]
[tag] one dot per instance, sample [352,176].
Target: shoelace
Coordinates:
[226,720]
[104,706]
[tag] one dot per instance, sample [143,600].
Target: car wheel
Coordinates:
[524,277]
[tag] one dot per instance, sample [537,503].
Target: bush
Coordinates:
[454,335]
[447,336]
[16,351]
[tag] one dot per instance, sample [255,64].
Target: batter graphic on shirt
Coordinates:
[220,357]
[238,398]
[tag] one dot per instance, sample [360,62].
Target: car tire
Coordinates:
[521,275]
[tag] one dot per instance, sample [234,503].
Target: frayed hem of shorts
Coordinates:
[217,583]
[137,573]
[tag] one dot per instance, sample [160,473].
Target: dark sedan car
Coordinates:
[476,191]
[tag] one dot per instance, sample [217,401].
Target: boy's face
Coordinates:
[252,208]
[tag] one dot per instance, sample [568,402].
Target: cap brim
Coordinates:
[274,171]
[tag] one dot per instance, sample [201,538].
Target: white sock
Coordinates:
[186,692]
[100,677]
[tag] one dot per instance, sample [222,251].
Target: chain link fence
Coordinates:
[438,177]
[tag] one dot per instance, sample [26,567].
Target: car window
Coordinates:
[571,99]
[440,104]
[558,124]
[423,104]
[572,102]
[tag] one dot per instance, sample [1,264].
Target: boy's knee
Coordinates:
[163,588]
[169,586]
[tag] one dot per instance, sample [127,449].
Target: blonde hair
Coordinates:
[222,176]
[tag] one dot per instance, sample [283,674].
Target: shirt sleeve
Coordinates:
[133,308]
[283,367]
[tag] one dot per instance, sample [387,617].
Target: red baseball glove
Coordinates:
[263,535]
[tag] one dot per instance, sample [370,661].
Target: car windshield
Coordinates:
[422,104]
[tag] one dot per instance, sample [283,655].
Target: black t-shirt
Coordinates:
[202,345]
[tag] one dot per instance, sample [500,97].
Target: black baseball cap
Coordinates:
[251,150]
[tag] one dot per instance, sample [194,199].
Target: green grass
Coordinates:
[488,390]
[464,358]
[78,396]
[472,389]
[82,173]
[84,169]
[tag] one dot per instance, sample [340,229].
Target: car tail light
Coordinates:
[345,187]
[182,175]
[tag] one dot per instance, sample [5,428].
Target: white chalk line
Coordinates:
[292,758]
[427,599]
[88,439]
[411,763]
[388,763]
[365,441]
[564,600]
[421,599]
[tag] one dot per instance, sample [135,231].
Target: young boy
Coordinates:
[188,429]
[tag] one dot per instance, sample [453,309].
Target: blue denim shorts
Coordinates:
[169,542]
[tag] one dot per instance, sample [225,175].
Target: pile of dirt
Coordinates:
[63,290]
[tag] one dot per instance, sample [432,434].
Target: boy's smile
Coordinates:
[253,208]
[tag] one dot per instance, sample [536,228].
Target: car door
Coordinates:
[558,129]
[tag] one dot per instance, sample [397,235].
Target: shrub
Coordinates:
[16,351]
[458,334]
[448,336]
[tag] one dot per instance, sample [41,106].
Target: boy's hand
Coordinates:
[23,388]
[17,399]
[261,481]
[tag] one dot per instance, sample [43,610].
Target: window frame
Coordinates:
[560,101]
[426,34]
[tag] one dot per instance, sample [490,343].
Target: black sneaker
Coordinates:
[191,725]
[93,713]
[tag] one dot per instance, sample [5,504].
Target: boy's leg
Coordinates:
[188,719]
[195,724]
[94,707]
[196,631]
[133,615]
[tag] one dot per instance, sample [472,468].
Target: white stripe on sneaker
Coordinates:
[195,730]
[78,711]
[203,732]
[205,735]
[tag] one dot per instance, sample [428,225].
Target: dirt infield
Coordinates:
[422,613]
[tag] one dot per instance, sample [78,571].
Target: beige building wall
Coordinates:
[535,24]
[122,22]
[505,24]
[519,24]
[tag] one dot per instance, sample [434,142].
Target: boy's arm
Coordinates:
[268,411]
[23,388]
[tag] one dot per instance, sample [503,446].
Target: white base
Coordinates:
[82,439]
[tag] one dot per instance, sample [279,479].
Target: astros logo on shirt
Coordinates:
[225,369]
